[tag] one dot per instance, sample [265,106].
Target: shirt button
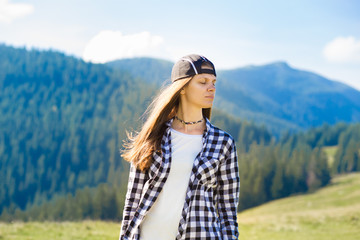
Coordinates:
[151,186]
[136,214]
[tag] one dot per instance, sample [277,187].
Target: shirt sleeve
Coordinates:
[134,190]
[228,193]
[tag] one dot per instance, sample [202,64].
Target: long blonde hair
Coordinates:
[140,147]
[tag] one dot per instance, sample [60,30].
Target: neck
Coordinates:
[189,115]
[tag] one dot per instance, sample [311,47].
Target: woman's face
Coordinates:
[200,91]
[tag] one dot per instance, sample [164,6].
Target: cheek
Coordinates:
[199,88]
[196,91]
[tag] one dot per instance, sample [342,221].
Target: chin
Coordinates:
[207,105]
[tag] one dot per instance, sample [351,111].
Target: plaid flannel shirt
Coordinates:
[210,205]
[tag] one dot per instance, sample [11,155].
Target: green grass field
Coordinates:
[330,213]
[89,230]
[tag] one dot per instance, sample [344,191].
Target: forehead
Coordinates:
[204,75]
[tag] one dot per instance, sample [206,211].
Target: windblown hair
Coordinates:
[140,147]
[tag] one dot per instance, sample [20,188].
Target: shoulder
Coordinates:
[222,136]
[220,144]
[220,133]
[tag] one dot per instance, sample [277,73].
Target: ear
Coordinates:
[182,92]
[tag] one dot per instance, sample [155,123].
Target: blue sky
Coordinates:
[319,36]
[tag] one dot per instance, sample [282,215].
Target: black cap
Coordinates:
[190,65]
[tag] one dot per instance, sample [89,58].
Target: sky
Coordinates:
[321,36]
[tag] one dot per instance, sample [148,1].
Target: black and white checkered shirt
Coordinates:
[210,205]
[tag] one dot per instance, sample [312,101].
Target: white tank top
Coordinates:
[162,220]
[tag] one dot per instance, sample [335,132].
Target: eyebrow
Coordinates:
[211,79]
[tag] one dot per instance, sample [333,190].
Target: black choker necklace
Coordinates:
[188,123]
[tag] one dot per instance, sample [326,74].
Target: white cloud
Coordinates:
[111,45]
[11,11]
[343,49]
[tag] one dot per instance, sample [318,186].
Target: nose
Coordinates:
[212,88]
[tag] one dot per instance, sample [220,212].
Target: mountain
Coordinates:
[277,95]
[291,96]
[63,122]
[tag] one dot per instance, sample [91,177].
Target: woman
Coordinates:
[184,180]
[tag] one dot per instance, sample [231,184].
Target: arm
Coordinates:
[134,190]
[228,194]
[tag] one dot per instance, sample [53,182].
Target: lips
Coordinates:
[212,97]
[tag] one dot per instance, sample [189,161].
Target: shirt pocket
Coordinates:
[207,171]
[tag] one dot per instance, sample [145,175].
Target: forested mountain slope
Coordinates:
[62,123]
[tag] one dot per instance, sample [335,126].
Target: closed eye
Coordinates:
[207,80]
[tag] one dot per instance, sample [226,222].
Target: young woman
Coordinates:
[184,179]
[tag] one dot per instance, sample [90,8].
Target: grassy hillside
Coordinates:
[332,212]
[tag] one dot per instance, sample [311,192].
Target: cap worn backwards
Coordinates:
[191,65]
